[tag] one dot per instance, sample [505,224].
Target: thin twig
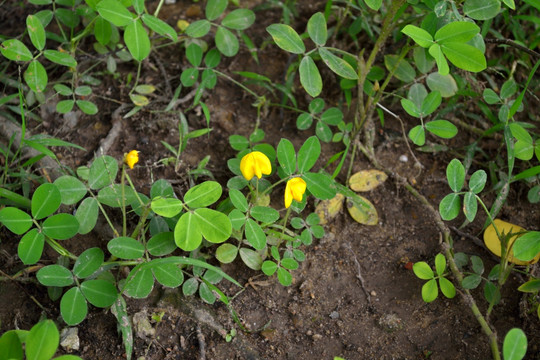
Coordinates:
[359,274]
[202,344]
[116,118]
[163,74]
[513,44]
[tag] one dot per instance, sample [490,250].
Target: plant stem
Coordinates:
[447,247]
[19,200]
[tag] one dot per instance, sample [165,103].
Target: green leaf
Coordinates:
[445,84]
[338,65]
[477,181]
[286,38]
[72,190]
[464,56]
[189,77]
[440,264]
[490,97]
[214,8]
[470,205]
[442,128]
[36,76]
[15,50]
[67,17]
[320,185]
[430,291]
[238,142]
[418,135]
[332,116]
[471,281]
[457,31]
[316,28]
[204,194]
[141,284]
[423,63]
[374,4]
[190,287]
[114,12]
[61,226]
[161,244]
[226,42]
[304,121]
[251,258]
[419,35]
[87,107]
[87,214]
[447,288]
[239,19]
[310,77]
[159,26]
[514,345]
[423,271]
[73,306]
[35,31]
[137,41]
[508,89]
[482,9]
[63,89]
[11,346]
[161,188]
[112,195]
[125,247]
[226,253]
[16,220]
[286,156]
[492,293]
[88,262]
[102,31]
[264,214]
[45,201]
[531,286]
[404,71]
[102,172]
[54,275]
[198,28]
[206,294]
[239,200]
[187,235]
[431,103]
[410,107]
[194,54]
[450,206]
[215,226]
[255,235]
[99,293]
[269,267]
[455,173]
[169,275]
[527,246]
[289,263]
[65,106]
[284,277]
[436,51]
[31,247]
[167,207]
[308,154]
[42,341]
[60,58]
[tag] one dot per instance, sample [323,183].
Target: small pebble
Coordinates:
[403,158]
[69,339]
[334,315]
[373,293]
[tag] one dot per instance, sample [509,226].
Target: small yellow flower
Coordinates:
[295,189]
[131,158]
[255,164]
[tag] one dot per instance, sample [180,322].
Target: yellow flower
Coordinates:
[131,158]
[255,164]
[295,189]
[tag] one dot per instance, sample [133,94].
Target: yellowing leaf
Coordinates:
[328,209]
[145,89]
[494,245]
[367,180]
[182,25]
[139,100]
[362,210]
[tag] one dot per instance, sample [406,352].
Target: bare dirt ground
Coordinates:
[355,296]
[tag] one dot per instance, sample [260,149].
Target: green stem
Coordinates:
[123,193]
[158,9]
[245,88]
[19,200]
[59,248]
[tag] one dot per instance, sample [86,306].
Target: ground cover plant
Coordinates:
[452,85]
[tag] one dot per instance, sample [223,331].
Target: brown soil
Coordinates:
[354,296]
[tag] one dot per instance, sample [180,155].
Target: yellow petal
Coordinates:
[131,158]
[494,244]
[255,164]
[295,189]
